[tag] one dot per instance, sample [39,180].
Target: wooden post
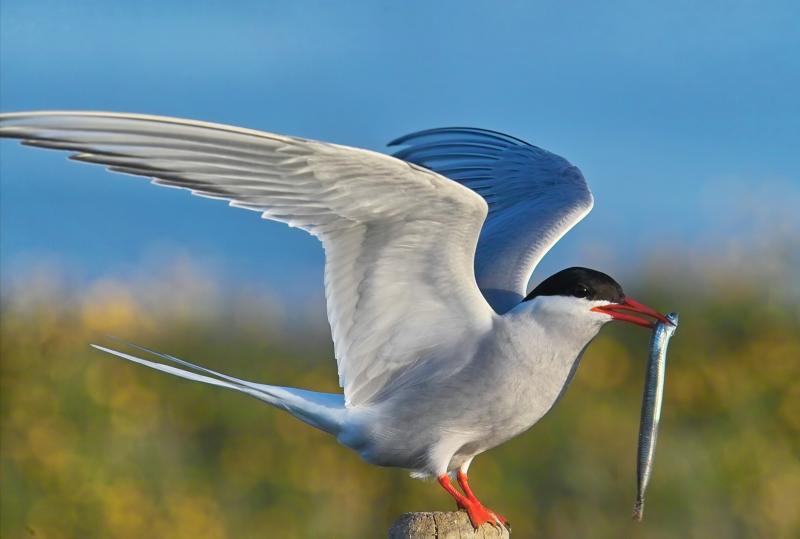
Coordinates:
[439,525]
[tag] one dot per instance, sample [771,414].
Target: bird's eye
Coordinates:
[582,292]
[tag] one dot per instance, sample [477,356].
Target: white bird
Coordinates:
[441,353]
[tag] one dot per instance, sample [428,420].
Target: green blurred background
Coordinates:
[96,447]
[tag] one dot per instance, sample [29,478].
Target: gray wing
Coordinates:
[534,198]
[399,239]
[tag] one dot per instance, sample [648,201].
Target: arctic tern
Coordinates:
[442,352]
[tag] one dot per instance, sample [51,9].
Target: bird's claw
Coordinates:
[503,520]
[480,515]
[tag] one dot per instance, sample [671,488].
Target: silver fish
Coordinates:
[651,407]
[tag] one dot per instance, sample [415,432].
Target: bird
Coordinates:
[442,351]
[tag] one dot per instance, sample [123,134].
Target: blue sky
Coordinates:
[683,116]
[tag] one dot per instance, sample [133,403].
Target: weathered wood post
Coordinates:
[452,525]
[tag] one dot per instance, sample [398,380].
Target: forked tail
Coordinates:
[325,411]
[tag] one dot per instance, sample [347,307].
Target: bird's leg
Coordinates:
[477,513]
[464,483]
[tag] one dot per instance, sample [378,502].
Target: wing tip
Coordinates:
[463,130]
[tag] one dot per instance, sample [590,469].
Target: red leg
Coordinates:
[463,481]
[478,514]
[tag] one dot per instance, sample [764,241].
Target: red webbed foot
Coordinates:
[477,512]
[463,481]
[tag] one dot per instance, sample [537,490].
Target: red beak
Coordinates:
[630,305]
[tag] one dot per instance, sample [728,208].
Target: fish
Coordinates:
[651,407]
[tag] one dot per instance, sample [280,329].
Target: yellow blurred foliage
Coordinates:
[109,308]
[96,447]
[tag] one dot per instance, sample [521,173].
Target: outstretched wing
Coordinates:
[534,198]
[399,239]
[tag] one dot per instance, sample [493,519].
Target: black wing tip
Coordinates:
[488,133]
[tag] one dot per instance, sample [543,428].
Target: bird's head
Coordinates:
[592,296]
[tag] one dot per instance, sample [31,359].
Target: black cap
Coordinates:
[580,283]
